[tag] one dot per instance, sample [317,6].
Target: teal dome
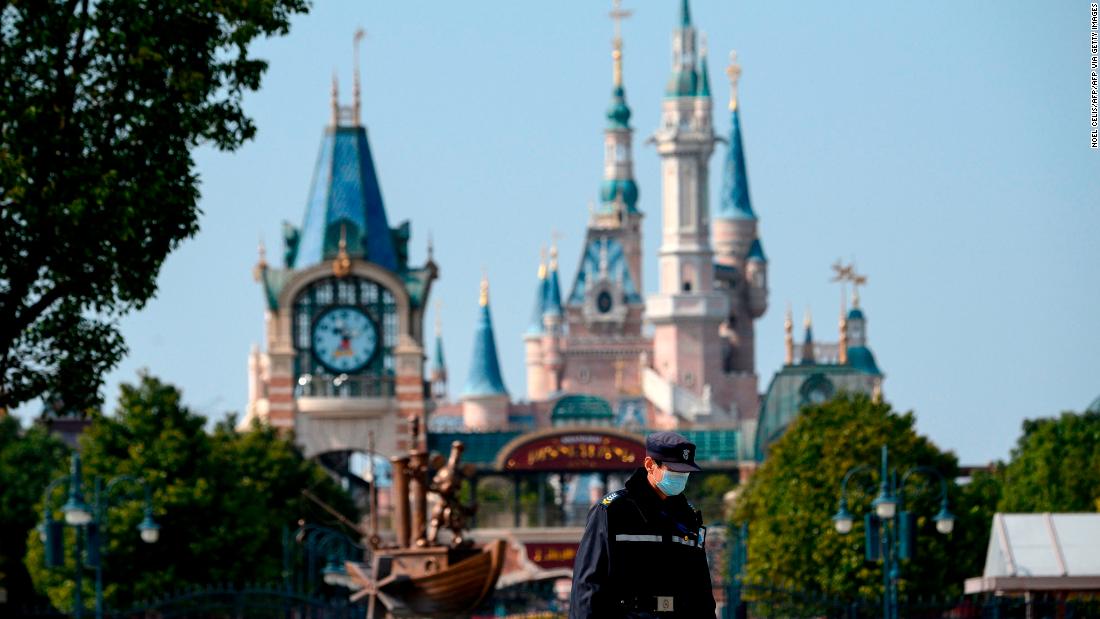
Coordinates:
[618,113]
[862,359]
[855,314]
[626,189]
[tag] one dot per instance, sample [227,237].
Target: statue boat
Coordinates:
[422,576]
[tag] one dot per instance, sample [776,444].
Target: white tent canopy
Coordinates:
[1041,552]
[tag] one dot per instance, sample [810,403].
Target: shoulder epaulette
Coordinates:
[611,497]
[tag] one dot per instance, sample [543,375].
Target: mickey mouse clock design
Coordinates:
[344,339]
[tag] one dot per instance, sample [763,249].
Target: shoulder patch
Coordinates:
[611,497]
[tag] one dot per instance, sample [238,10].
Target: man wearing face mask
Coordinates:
[642,554]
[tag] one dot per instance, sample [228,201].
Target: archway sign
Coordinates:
[577,448]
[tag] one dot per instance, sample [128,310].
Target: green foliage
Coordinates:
[222,500]
[789,501]
[100,106]
[1055,466]
[27,463]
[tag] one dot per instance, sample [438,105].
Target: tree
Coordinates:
[222,500]
[1055,466]
[789,501]
[28,460]
[101,104]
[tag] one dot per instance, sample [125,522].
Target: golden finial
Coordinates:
[618,15]
[356,101]
[335,100]
[842,352]
[788,336]
[734,72]
[555,235]
[341,266]
[542,263]
[483,300]
[808,319]
[261,262]
[857,281]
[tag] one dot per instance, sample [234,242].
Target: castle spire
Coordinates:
[536,327]
[735,203]
[808,343]
[356,100]
[553,285]
[485,378]
[617,15]
[788,336]
[619,191]
[685,14]
[842,346]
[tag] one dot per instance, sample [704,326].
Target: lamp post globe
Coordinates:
[886,506]
[945,521]
[843,519]
[150,530]
[77,513]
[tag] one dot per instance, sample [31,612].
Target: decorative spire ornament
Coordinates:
[788,336]
[618,15]
[356,100]
[261,262]
[483,299]
[734,73]
[341,266]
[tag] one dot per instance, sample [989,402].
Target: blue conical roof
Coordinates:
[344,198]
[438,363]
[756,251]
[685,14]
[553,294]
[536,327]
[484,378]
[735,202]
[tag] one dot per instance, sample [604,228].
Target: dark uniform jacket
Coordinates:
[639,555]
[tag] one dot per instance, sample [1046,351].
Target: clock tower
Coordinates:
[344,353]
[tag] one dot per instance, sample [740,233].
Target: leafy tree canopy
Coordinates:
[28,460]
[222,500]
[789,502]
[1055,466]
[100,105]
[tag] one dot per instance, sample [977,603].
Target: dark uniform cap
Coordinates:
[673,450]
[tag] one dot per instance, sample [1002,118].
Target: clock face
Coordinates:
[344,339]
[603,302]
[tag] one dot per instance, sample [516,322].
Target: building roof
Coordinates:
[756,252]
[1028,552]
[484,378]
[861,358]
[552,305]
[617,269]
[735,203]
[535,327]
[581,408]
[796,386]
[345,199]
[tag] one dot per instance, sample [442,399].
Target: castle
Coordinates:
[344,357]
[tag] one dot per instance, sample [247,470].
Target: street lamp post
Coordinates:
[90,522]
[889,529]
[334,546]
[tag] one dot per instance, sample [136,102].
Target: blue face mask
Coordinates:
[673,483]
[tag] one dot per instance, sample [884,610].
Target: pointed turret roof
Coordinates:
[808,342]
[345,194]
[536,327]
[685,14]
[684,81]
[438,363]
[735,203]
[552,305]
[756,252]
[484,378]
[704,78]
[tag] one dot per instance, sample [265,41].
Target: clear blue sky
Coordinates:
[942,145]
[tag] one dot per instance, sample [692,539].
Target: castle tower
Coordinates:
[688,310]
[344,344]
[742,267]
[484,399]
[603,337]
